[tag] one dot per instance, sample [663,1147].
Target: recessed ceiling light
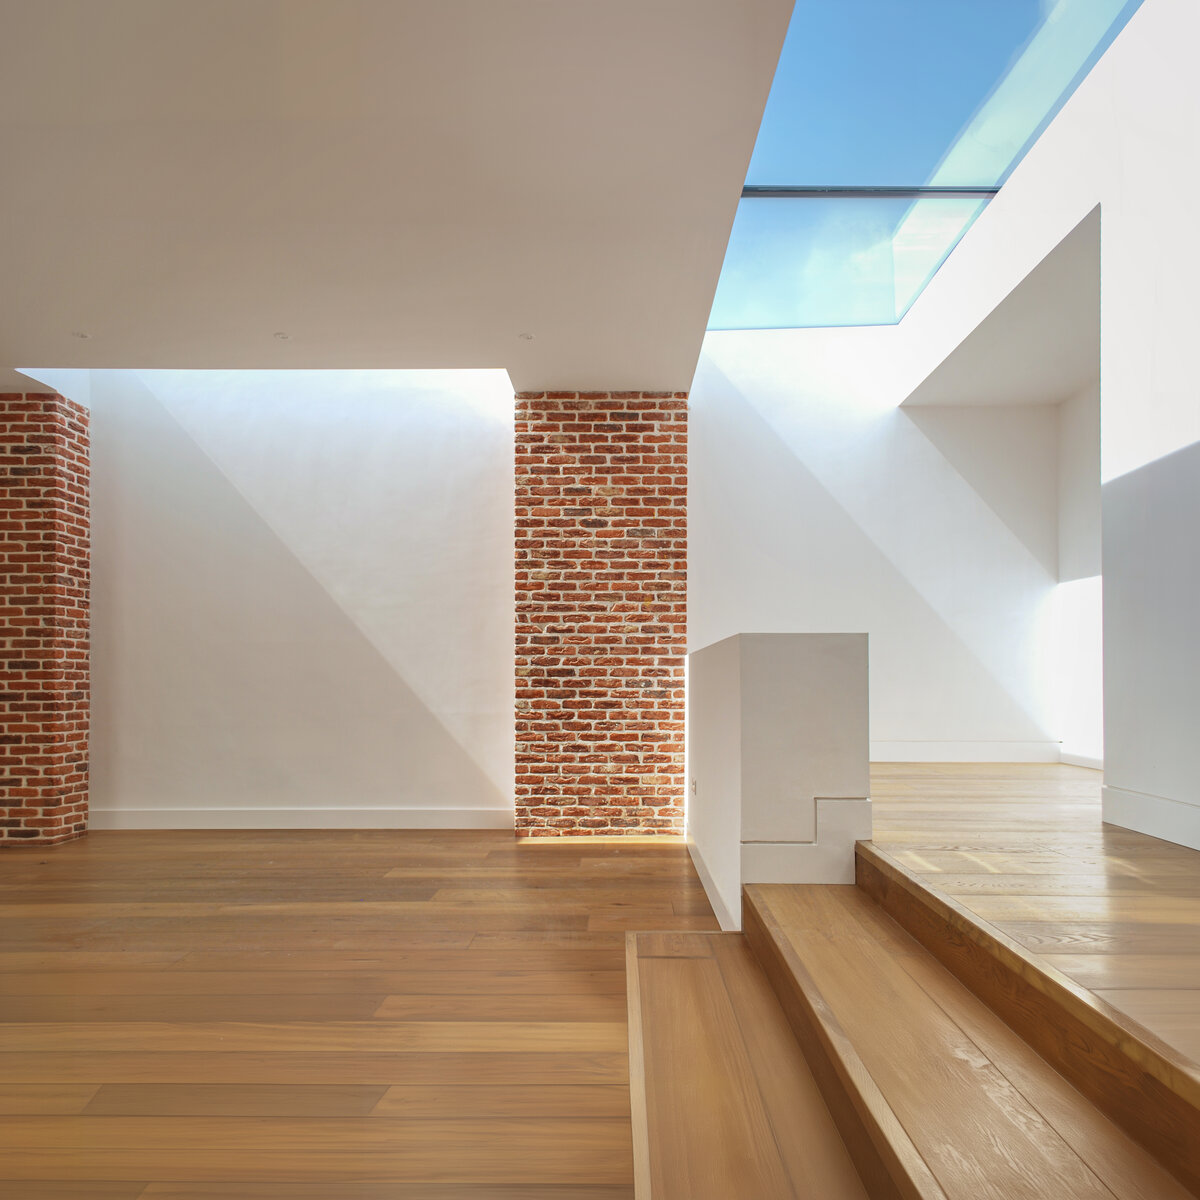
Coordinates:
[283,337]
[78,333]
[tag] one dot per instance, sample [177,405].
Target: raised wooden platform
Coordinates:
[1023,848]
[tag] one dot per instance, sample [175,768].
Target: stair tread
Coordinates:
[730,1105]
[987,1115]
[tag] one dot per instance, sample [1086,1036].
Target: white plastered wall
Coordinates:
[818,505]
[1077,650]
[302,598]
[777,762]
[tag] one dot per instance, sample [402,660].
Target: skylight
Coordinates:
[889,125]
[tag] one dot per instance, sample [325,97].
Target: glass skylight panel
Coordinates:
[895,94]
[803,262]
[872,92]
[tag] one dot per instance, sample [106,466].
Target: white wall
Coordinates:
[1152,648]
[714,751]
[777,762]
[818,505]
[1077,640]
[302,607]
[1079,555]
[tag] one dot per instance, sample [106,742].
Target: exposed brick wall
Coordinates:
[44,583]
[601,633]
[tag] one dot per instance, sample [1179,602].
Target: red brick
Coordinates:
[601,587]
[44,489]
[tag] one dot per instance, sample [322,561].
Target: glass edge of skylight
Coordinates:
[792,328]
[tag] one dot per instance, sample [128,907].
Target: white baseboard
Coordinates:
[1157,816]
[984,752]
[301,818]
[1082,760]
[729,921]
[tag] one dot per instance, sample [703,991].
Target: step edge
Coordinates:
[638,1107]
[893,1165]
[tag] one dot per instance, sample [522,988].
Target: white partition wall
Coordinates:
[777,761]
[301,599]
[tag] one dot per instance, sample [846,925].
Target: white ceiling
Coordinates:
[391,183]
[1040,344]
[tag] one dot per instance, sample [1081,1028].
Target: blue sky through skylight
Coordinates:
[873,92]
[893,93]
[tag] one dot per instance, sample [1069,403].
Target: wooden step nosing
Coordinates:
[886,1156]
[639,1110]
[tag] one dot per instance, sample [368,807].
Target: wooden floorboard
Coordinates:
[1023,847]
[367,1014]
[370,1191]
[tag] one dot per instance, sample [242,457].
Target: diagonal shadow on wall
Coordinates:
[810,567]
[225,676]
[394,491]
[1007,455]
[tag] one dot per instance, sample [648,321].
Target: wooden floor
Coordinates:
[354,1015]
[441,1015]
[727,1104]
[1023,847]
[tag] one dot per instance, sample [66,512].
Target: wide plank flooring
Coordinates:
[1023,847]
[731,1107]
[438,1015]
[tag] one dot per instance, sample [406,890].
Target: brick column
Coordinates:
[601,633]
[44,578]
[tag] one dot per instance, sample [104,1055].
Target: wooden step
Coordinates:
[724,1105]
[936,1097]
[1147,1087]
